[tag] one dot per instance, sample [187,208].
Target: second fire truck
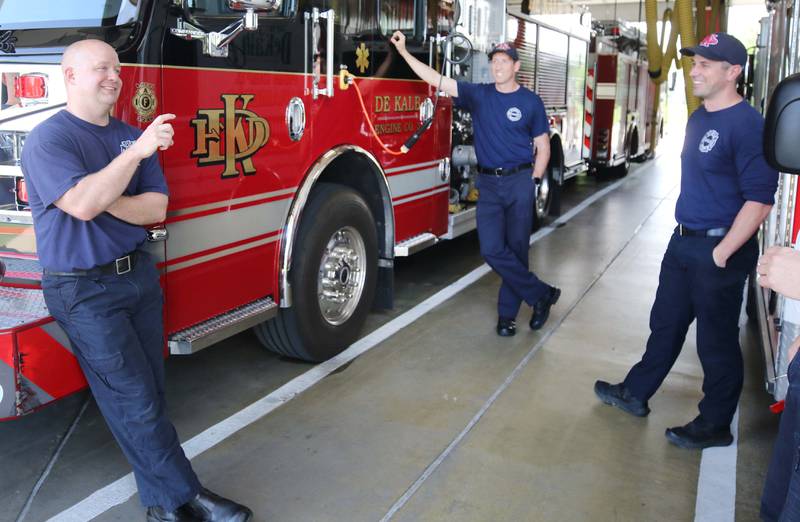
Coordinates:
[623,106]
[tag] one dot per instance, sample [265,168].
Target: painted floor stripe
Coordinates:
[124,488]
[716,485]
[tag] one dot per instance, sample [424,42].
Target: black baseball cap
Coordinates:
[507,48]
[720,47]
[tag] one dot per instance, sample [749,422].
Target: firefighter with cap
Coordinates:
[727,189]
[93,181]
[512,144]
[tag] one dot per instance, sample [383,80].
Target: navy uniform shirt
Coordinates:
[504,124]
[722,167]
[59,152]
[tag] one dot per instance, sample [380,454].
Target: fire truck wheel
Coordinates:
[333,275]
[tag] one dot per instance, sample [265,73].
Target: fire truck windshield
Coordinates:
[46,14]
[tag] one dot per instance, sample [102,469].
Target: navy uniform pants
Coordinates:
[115,326]
[691,287]
[781,498]
[504,215]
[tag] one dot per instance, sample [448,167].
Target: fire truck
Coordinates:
[623,107]
[293,180]
[776,68]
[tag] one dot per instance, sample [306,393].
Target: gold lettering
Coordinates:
[244,134]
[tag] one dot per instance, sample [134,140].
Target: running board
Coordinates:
[202,335]
[414,244]
[461,222]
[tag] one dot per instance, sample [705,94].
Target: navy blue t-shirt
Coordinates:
[722,167]
[59,152]
[504,123]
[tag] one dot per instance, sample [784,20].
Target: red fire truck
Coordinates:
[622,104]
[289,194]
[777,56]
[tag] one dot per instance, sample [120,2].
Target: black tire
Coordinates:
[337,237]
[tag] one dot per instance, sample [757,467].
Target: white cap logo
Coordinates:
[514,114]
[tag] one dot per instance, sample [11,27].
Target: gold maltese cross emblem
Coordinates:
[362,60]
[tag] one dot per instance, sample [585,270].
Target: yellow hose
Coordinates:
[700,17]
[671,53]
[653,49]
[715,17]
[686,25]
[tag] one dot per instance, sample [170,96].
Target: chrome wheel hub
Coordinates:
[542,195]
[342,274]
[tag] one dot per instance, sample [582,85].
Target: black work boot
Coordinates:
[541,310]
[506,327]
[210,507]
[619,396]
[159,514]
[699,434]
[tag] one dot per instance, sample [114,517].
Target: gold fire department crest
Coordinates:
[145,102]
[230,135]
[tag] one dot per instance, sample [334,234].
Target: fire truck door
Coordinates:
[241,150]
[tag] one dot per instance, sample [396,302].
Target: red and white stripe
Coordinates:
[588,117]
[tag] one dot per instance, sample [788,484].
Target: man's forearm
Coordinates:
[93,194]
[747,221]
[540,164]
[542,150]
[142,209]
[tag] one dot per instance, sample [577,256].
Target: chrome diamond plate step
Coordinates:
[414,244]
[20,270]
[20,306]
[221,327]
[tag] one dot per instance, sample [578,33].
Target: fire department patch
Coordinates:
[709,140]
[145,102]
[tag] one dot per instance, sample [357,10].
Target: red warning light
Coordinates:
[30,86]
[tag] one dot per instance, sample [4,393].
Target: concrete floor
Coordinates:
[531,444]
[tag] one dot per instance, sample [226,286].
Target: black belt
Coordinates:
[505,172]
[711,232]
[120,266]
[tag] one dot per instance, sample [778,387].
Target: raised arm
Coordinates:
[425,73]
[96,192]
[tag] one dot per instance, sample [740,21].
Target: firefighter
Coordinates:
[93,182]
[511,129]
[727,189]
[779,269]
